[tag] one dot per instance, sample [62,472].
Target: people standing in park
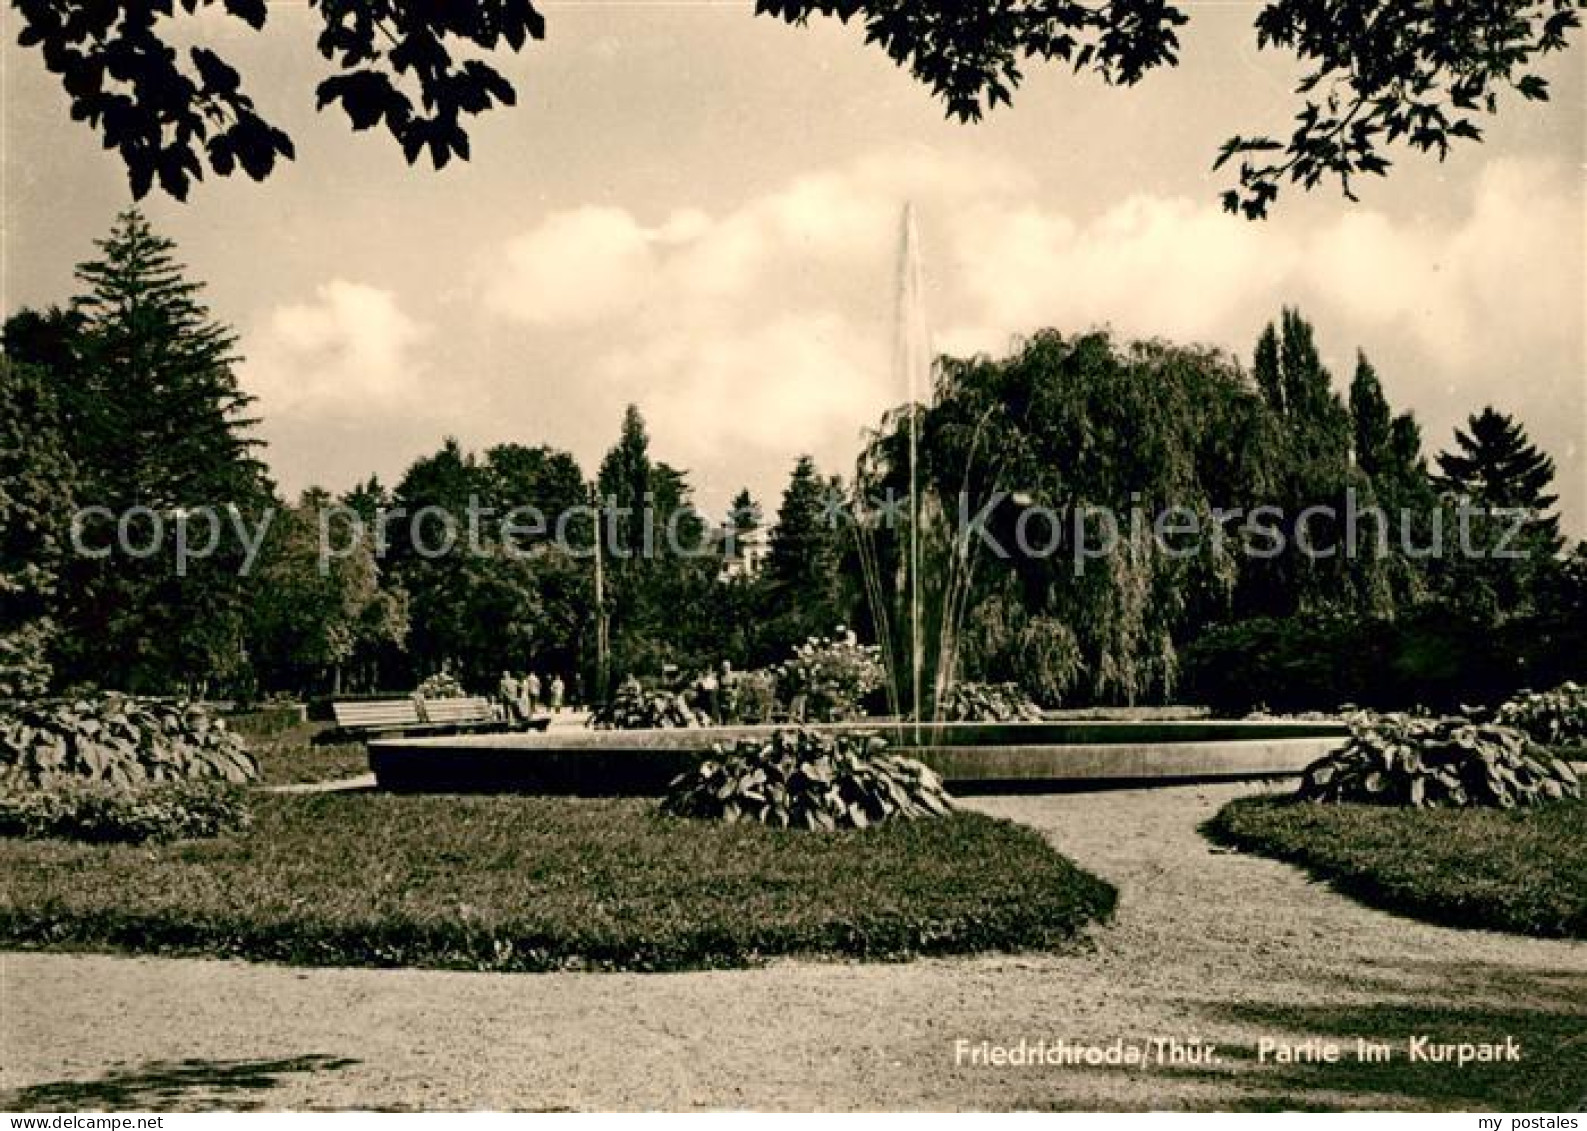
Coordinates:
[710,700]
[531,688]
[558,690]
[507,696]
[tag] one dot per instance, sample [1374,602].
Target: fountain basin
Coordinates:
[971,757]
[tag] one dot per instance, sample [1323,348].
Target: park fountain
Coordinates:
[917,574]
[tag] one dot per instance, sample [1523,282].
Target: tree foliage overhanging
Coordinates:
[1375,72]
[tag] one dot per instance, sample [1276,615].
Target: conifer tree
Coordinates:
[802,569]
[1494,466]
[157,419]
[1371,419]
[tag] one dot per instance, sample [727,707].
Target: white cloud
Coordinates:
[747,337]
[576,267]
[350,349]
[800,382]
[1148,266]
[764,331]
[333,371]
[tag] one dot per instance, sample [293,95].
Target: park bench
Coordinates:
[377,716]
[362,718]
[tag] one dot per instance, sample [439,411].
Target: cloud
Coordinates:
[577,267]
[800,382]
[337,369]
[747,337]
[1456,314]
[1149,266]
[350,349]
[753,334]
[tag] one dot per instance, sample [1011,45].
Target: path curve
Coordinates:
[1208,944]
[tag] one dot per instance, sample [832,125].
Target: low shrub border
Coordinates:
[101,814]
[1518,870]
[525,883]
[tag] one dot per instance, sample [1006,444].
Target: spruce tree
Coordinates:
[1493,466]
[744,514]
[805,557]
[165,421]
[156,418]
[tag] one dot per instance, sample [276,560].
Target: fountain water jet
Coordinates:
[917,588]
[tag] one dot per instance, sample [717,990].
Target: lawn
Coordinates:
[1519,870]
[525,883]
[291,756]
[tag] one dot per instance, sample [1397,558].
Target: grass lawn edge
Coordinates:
[1428,889]
[1052,908]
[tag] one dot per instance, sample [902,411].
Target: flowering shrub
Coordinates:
[752,696]
[118,741]
[1554,718]
[809,780]
[104,814]
[831,677]
[441,685]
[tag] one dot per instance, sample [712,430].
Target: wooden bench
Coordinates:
[364,718]
[377,716]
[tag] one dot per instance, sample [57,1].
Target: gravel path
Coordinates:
[1209,945]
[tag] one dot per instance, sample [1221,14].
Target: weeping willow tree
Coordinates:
[1025,464]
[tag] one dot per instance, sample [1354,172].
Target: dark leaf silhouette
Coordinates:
[1378,72]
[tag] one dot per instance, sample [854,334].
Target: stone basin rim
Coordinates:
[1013,734]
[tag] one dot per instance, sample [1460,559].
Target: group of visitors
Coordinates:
[521,699]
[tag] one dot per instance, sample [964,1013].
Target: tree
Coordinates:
[744,515]
[803,540]
[660,568]
[1370,418]
[1308,438]
[1373,73]
[802,568]
[540,483]
[314,615]
[1493,464]
[1495,469]
[36,503]
[1268,370]
[1066,432]
[157,425]
[624,486]
[164,418]
[492,596]
[367,500]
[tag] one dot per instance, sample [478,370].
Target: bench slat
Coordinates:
[468,710]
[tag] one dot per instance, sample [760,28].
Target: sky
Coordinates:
[698,211]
